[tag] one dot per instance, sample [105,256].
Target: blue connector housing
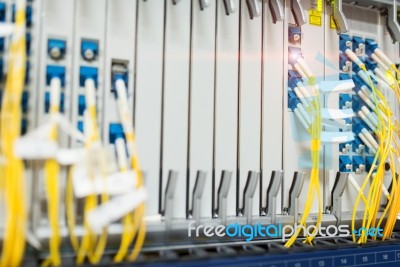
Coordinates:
[371,65]
[1,44]
[357,41]
[358,82]
[294,54]
[369,160]
[80,126]
[1,69]
[345,42]
[294,34]
[27,71]
[25,101]
[24,126]
[87,73]
[345,101]
[358,146]
[293,100]
[358,125]
[61,45]
[357,161]
[345,147]
[357,103]
[345,163]
[356,68]
[115,131]
[3,8]
[344,62]
[81,105]
[344,76]
[47,102]
[55,71]
[370,46]
[91,46]
[119,76]
[28,39]
[293,78]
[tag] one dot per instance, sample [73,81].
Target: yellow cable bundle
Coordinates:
[137,226]
[12,171]
[52,184]
[385,133]
[314,186]
[395,208]
[91,245]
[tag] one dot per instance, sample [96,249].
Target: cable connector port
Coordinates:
[119,70]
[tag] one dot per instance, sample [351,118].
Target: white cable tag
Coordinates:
[71,156]
[36,144]
[113,184]
[115,209]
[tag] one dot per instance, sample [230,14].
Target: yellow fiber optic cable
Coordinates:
[52,172]
[12,169]
[130,221]
[139,223]
[314,186]
[91,245]
[384,133]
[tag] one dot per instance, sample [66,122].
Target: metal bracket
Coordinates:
[229,7]
[277,10]
[197,194]
[294,194]
[342,26]
[223,190]
[248,194]
[337,193]
[272,193]
[392,22]
[169,198]
[254,8]
[204,4]
[298,11]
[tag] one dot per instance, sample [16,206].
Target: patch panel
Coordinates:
[207,106]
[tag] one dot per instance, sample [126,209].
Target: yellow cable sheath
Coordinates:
[131,144]
[70,211]
[13,170]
